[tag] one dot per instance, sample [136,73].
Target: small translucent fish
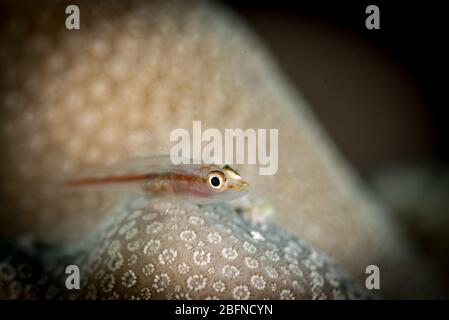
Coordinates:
[157,176]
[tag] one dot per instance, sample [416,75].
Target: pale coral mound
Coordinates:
[158,249]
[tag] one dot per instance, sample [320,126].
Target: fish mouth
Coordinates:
[243,184]
[238,185]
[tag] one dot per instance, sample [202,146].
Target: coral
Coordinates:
[159,249]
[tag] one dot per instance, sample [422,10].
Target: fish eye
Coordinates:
[216,180]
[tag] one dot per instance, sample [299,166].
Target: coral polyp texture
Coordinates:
[158,249]
[116,88]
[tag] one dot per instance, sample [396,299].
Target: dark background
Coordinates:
[380,94]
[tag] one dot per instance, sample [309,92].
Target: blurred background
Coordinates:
[380,94]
